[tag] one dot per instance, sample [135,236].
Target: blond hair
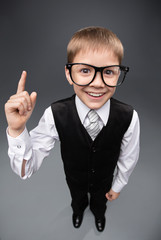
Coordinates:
[94,38]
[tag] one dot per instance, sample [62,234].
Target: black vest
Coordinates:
[90,164]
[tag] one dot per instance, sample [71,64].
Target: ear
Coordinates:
[67,74]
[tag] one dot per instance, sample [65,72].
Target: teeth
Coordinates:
[95,94]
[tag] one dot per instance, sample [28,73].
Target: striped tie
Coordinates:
[93,127]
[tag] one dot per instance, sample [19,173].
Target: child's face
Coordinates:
[98,58]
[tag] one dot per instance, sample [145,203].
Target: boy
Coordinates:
[97,133]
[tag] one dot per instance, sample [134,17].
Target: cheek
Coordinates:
[77,89]
[111,90]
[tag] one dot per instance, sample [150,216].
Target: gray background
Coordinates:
[33,37]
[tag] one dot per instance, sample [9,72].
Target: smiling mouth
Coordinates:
[95,94]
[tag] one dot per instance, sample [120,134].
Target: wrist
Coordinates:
[15,132]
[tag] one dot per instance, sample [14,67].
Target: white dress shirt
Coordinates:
[36,145]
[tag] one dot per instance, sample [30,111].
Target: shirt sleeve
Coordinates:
[33,146]
[129,154]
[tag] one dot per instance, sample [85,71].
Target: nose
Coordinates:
[97,82]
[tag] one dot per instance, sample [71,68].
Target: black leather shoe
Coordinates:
[100,223]
[77,220]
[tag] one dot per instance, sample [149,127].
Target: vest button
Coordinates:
[93,149]
[92,170]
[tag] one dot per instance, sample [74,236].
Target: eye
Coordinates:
[108,72]
[85,70]
[111,71]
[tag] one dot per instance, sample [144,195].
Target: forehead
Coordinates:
[97,57]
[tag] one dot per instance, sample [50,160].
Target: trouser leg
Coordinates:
[98,202]
[79,200]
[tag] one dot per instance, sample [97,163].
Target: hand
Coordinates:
[19,108]
[111,195]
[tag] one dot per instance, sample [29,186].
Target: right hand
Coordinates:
[19,108]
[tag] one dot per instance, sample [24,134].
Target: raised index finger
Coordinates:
[21,84]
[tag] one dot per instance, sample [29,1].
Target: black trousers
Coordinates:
[96,200]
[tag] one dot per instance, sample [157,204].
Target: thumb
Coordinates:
[33,98]
[108,196]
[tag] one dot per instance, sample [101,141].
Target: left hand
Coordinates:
[111,195]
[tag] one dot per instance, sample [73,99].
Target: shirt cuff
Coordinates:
[21,144]
[117,187]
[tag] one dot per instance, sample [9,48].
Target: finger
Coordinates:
[20,104]
[21,109]
[109,197]
[33,98]
[21,84]
[25,95]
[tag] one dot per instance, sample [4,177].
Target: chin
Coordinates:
[94,106]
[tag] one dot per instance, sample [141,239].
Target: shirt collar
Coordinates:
[83,110]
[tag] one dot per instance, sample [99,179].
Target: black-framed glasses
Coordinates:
[83,74]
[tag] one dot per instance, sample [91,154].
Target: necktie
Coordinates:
[93,127]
